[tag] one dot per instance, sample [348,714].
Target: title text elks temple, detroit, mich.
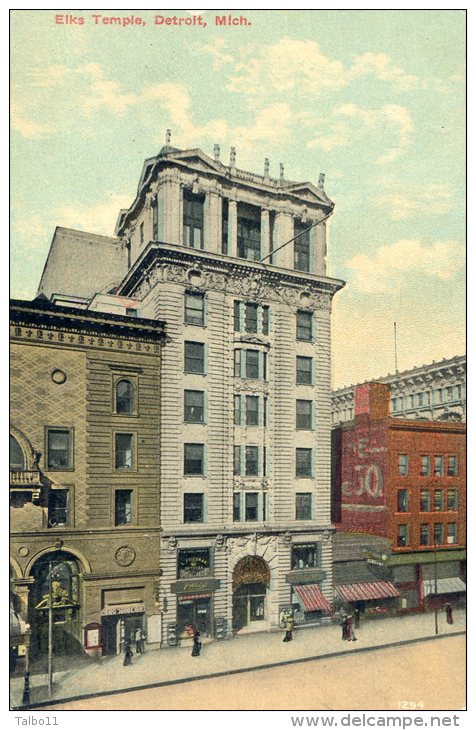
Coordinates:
[124,21]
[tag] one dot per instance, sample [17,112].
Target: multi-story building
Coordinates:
[84,475]
[435,392]
[402,482]
[235,262]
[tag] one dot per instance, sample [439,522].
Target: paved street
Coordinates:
[414,676]
[248,651]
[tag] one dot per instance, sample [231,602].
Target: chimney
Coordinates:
[372,400]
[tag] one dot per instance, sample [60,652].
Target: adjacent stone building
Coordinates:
[84,475]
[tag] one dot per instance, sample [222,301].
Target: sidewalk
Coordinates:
[170,665]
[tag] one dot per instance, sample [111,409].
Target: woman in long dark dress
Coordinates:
[127,655]
[197,642]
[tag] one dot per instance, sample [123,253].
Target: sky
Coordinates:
[375,99]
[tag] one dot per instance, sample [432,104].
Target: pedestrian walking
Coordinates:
[350,636]
[343,623]
[449,613]
[357,618]
[139,641]
[127,655]
[197,642]
[288,625]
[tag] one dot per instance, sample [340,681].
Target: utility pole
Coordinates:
[435,566]
[395,345]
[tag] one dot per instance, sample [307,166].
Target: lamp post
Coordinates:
[50,631]
[26,679]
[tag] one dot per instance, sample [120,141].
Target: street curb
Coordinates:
[241,670]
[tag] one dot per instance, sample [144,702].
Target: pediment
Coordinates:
[196,159]
[309,192]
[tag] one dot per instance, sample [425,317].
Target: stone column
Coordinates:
[318,244]
[213,211]
[232,228]
[265,241]
[173,211]
[285,231]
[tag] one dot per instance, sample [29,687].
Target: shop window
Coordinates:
[193,220]
[303,506]
[424,500]
[403,465]
[194,562]
[307,555]
[304,462]
[249,233]
[124,397]
[304,326]
[193,459]
[452,497]
[17,457]
[402,536]
[424,535]
[193,507]
[304,415]
[194,357]
[452,466]
[251,461]
[302,249]
[194,308]
[123,507]
[452,534]
[439,466]
[304,370]
[402,499]
[58,507]
[123,450]
[194,406]
[439,500]
[425,466]
[439,533]
[251,506]
[252,406]
[59,449]
[236,507]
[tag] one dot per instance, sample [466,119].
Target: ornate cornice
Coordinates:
[67,337]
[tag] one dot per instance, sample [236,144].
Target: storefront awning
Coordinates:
[444,585]
[312,597]
[194,597]
[367,591]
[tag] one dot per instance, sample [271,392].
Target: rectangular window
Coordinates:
[193,459]
[193,220]
[237,364]
[237,410]
[265,411]
[452,466]
[449,394]
[123,507]
[305,556]
[251,506]
[420,399]
[425,466]
[194,357]
[452,534]
[251,461]
[237,460]
[402,537]
[304,462]
[439,466]
[424,500]
[304,326]
[265,320]
[264,505]
[452,497]
[58,507]
[439,533]
[304,414]
[194,562]
[224,226]
[303,506]
[302,257]
[252,403]
[155,220]
[403,465]
[304,370]
[424,534]
[251,318]
[192,507]
[439,500]
[123,451]
[249,233]
[402,499]
[236,506]
[236,316]
[194,406]
[194,308]
[252,364]
[59,447]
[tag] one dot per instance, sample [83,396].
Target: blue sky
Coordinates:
[375,99]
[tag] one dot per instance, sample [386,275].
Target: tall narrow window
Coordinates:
[452,466]
[224,226]
[236,315]
[236,507]
[302,257]
[251,506]
[304,326]
[193,220]
[193,406]
[251,317]
[304,370]
[194,308]
[249,233]
[123,451]
[304,415]
[439,532]
[194,357]
[424,500]
[424,534]
[402,536]
[58,507]
[452,498]
[59,447]
[123,507]
[252,403]
[452,534]
[155,219]
[237,410]
[402,500]
[265,320]
[251,461]
[439,466]
[237,460]
[124,397]
[193,507]
[403,464]
[193,459]
[425,466]
[303,506]
[252,364]
[304,462]
[439,500]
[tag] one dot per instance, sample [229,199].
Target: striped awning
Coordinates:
[444,585]
[312,597]
[194,597]
[367,591]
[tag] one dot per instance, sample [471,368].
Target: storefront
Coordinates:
[195,605]
[444,590]
[309,604]
[377,598]
[250,586]
[119,625]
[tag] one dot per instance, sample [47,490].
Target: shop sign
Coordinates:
[123,608]
[298,577]
[200,585]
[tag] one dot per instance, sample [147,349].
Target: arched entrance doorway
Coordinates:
[57,579]
[250,582]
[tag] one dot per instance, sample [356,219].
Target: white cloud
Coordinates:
[100,218]
[379,272]
[26,127]
[217,50]
[433,199]
[379,65]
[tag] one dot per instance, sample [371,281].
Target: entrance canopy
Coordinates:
[367,591]
[312,597]
[444,585]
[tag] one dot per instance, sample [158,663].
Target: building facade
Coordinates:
[236,264]
[435,392]
[403,481]
[84,476]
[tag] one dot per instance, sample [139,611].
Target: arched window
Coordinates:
[124,396]
[17,457]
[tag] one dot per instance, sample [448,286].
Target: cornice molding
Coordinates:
[69,338]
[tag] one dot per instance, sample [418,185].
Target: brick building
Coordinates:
[84,475]
[402,482]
